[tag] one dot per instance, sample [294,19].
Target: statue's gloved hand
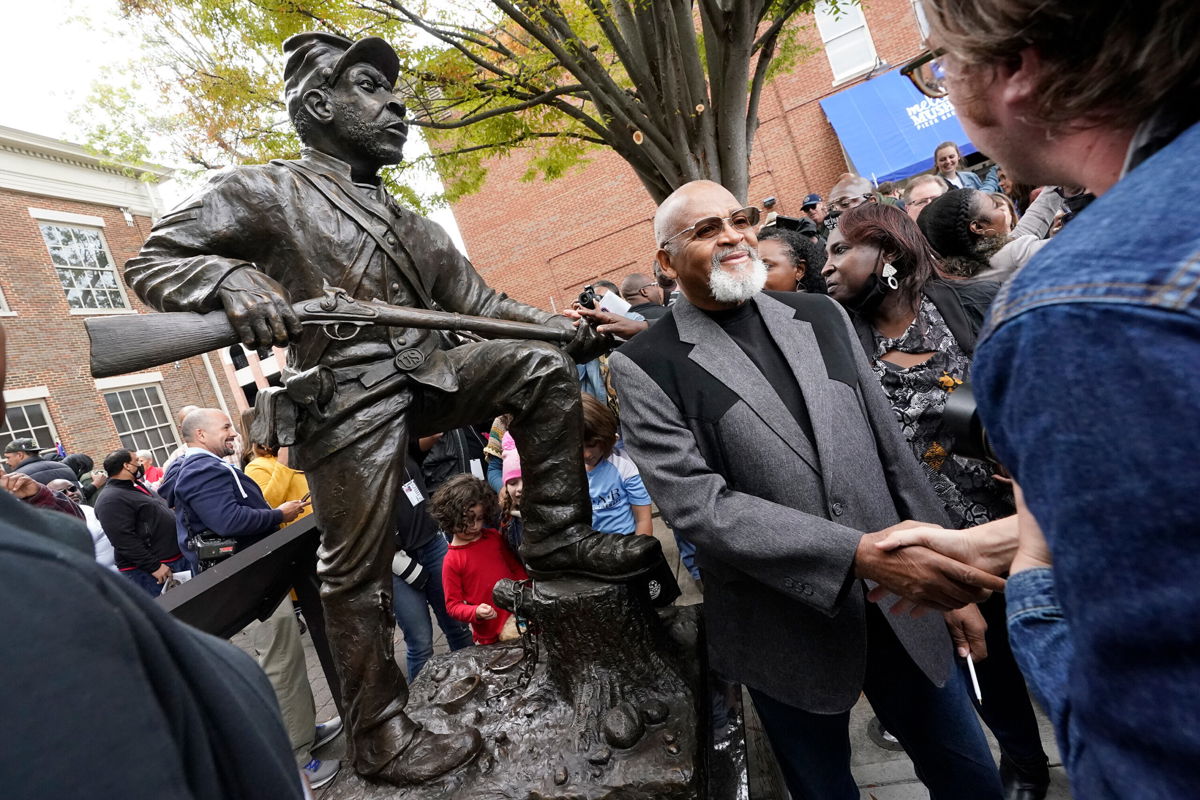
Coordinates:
[588,343]
[258,308]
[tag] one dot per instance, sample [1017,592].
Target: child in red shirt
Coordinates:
[478,556]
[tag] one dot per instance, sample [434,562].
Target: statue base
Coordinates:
[597,701]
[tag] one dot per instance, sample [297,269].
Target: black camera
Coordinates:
[588,297]
[961,420]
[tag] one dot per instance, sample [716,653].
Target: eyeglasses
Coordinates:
[923,202]
[847,203]
[927,73]
[710,227]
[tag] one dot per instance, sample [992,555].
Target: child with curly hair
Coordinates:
[478,557]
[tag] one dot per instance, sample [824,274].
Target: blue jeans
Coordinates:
[937,727]
[412,609]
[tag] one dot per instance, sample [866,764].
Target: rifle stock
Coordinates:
[124,343]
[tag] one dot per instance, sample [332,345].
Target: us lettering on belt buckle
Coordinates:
[409,359]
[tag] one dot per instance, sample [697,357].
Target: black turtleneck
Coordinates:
[746,327]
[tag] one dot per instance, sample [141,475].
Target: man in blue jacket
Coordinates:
[1085,373]
[210,494]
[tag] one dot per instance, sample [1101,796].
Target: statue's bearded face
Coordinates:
[368,116]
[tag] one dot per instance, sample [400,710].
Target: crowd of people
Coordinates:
[797,397]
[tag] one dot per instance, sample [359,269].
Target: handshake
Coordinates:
[929,567]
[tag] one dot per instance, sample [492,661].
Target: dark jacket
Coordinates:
[139,524]
[44,471]
[195,714]
[211,495]
[962,304]
[651,311]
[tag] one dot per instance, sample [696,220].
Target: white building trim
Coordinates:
[66,217]
[29,393]
[121,381]
[52,168]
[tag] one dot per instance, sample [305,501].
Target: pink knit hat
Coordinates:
[512,466]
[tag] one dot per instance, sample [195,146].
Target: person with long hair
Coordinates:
[946,161]
[971,231]
[919,333]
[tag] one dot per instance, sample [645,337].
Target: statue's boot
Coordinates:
[600,556]
[428,755]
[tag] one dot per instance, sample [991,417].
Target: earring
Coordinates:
[889,276]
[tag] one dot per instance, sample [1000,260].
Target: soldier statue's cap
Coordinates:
[316,59]
[22,446]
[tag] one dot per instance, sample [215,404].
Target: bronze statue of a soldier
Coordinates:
[256,236]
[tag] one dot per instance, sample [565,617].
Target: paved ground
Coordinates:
[881,774]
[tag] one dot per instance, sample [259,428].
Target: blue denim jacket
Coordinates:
[1087,376]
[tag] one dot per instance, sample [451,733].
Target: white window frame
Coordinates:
[61,219]
[849,21]
[166,448]
[22,403]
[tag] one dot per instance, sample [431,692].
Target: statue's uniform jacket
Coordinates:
[306,224]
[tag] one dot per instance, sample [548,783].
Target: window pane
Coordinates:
[849,18]
[851,53]
[142,420]
[29,420]
[83,263]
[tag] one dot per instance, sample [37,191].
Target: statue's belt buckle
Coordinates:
[409,359]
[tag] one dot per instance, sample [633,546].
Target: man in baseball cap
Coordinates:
[22,455]
[813,207]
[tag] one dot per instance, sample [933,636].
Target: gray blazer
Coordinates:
[775,517]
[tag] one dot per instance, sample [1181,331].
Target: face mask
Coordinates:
[874,291]
[140,472]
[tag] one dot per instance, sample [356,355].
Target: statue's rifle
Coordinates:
[122,344]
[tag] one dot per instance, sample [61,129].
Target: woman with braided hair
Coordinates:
[918,331]
[971,232]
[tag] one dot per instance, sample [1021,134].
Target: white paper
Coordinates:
[477,468]
[614,303]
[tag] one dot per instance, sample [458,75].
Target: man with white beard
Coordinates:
[763,435]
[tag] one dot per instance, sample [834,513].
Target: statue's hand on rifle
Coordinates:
[588,343]
[258,308]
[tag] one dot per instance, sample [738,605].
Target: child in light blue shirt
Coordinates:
[620,503]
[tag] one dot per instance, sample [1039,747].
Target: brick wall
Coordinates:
[48,346]
[542,241]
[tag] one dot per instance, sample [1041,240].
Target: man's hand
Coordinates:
[20,484]
[967,628]
[162,573]
[484,611]
[291,509]
[258,308]
[989,547]
[613,324]
[921,575]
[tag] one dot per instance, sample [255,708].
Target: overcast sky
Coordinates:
[54,51]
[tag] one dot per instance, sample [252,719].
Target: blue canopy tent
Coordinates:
[889,129]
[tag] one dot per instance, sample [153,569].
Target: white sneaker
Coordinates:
[319,773]
[327,731]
